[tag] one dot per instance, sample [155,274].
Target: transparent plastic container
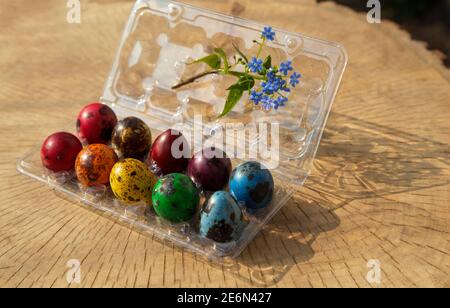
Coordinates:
[159,39]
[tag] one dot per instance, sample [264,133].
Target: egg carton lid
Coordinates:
[162,36]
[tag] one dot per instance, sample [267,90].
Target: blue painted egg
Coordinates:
[221,218]
[252,185]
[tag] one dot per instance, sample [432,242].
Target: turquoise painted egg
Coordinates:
[221,218]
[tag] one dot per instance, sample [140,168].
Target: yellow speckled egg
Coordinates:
[131,181]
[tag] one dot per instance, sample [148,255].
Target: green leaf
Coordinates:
[221,53]
[234,87]
[213,60]
[233,97]
[244,83]
[240,53]
[236,74]
[268,62]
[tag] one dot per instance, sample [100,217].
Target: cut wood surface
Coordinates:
[380,189]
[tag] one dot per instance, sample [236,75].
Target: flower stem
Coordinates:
[194,78]
[261,46]
[207,73]
[240,74]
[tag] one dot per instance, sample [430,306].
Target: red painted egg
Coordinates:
[170,153]
[59,151]
[95,123]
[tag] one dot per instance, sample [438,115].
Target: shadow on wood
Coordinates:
[357,160]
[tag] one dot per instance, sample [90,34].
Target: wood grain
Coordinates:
[381,187]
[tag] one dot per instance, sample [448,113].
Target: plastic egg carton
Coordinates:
[160,37]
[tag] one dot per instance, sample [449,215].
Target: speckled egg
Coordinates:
[170,153]
[175,198]
[252,185]
[94,164]
[132,138]
[59,151]
[221,219]
[95,123]
[131,181]
[210,169]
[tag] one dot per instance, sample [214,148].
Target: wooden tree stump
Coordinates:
[380,190]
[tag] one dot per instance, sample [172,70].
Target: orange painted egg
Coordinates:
[94,164]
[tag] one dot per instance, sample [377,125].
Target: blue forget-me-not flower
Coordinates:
[255,65]
[286,67]
[268,33]
[295,79]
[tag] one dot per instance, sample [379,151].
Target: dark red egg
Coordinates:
[170,153]
[95,123]
[59,151]
[210,169]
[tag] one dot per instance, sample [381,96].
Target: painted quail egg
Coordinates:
[175,198]
[132,138]
[221,219]
[210,169]
[252,185]
[170,153]
[94,164]
[131,181]
[59,151]
[95,123]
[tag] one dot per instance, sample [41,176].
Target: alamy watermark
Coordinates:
[374,274]
[253,141]
[73,274]
[374,14]
[73,12]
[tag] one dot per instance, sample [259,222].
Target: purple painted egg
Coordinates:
[210,169]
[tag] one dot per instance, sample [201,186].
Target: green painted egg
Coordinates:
[175,198]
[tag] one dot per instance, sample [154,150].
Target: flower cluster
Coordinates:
[277,82]
[269,85]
